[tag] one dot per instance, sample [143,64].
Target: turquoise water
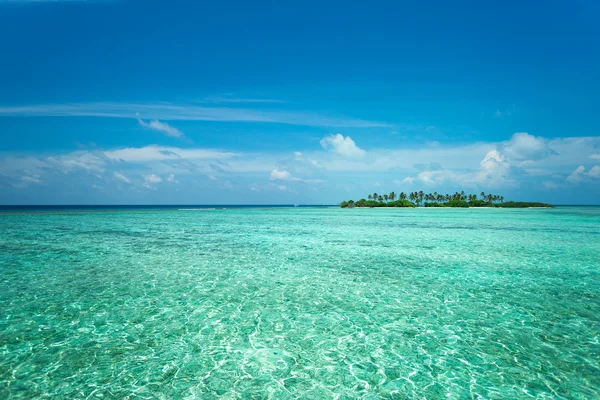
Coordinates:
[301,303]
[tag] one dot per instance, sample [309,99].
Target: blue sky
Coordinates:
[131,102]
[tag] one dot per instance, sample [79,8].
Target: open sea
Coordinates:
[299,302]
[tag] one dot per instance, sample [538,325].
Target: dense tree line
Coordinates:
[435,199]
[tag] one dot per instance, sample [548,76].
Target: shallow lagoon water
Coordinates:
[301,303]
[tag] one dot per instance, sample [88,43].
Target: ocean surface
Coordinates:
[311,303]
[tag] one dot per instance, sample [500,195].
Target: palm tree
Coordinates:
[418,197]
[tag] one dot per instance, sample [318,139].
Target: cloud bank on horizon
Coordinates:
[526,166]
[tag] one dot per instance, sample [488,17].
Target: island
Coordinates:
[456,200]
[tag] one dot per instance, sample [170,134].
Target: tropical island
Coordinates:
[421,199]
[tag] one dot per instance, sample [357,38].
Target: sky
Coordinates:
[312,102]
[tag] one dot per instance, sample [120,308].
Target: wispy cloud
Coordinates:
[174,112]
[30,179]
[160,153]
[160,127]
[504,113]
[232,98]
[121,177]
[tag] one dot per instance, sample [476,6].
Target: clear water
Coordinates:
[301,303]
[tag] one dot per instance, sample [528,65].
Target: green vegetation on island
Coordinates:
[421,199]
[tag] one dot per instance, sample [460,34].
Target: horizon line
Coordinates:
[217,205]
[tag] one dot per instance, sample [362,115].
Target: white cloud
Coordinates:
[152,178]
[594,172]
[178,112]
[494,171]
[525,147]
[579,174]
[576,175]
[160,127]
[344,146]
[523,156]
[281,176]
[121,177]
[595,157]
[435,177]
[494,161]
[171,178]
